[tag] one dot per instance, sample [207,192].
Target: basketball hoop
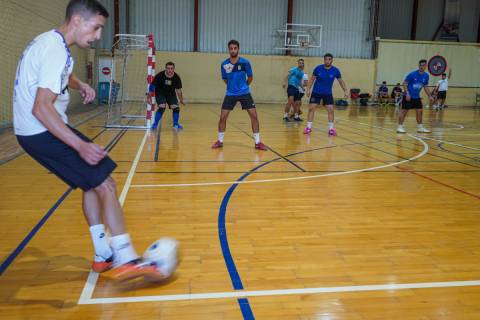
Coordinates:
[304,44]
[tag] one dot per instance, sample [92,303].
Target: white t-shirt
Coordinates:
[305,78]
[45,63]
[443,85]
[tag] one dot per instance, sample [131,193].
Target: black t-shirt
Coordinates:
[396,89]
[166,86]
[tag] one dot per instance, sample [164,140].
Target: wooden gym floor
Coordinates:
[366,225]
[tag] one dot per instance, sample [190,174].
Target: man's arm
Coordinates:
[405,88]
[180,95]
[344,86]
[44,111]
[309,84]
[87,93]
[285,80]
[249,80]
[449,73]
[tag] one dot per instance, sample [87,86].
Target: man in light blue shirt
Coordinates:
[413,84]
[294,80]
[237,75]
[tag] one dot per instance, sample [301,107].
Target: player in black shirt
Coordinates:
[168,86]
[397,94]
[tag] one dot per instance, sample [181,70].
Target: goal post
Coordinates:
[131,98]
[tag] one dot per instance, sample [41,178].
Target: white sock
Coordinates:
[285,115]
[100,242]
[221,135]
[296,115]
[123,249]
[309,125]
[420,125]
[256,136]
[330,125]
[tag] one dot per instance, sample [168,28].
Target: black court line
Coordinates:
[440,145]
[395,144]
[157,143]
[412,142]
[413,149]
[289,171]
[269,148]
[12,256]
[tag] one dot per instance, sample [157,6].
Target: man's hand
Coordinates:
[307,93]
[91,152]
[87,93]
[284,86]
[408,97]
[346,95]
[181,102]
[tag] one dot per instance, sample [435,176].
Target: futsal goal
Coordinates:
[131,98]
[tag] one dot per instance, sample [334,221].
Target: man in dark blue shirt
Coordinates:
[237,75]
[412,85]
[324,75]
[383,93]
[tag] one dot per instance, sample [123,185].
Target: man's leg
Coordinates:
[254,120]
[331,119]
[159,115]
[252,112]
[290,103]
[222,126]
[419,115]
[311,114]
[401,116]
[176,117]
[92,210]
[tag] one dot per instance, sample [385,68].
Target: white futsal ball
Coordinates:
[163,254]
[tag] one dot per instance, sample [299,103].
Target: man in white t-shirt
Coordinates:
[41,96]
[442,88]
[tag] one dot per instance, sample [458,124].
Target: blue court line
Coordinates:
[32,233]
[8,261]
[222,233]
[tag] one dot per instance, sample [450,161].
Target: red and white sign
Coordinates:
[106,71]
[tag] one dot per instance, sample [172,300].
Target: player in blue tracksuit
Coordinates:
[413,84]
[237,75]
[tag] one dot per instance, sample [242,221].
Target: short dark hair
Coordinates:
[422,61]
[169,63]
[86,8]
[444,74]
[328,55]
[398,83]
[233,42]
[384,82]
[300,60]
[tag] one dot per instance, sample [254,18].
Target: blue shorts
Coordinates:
[293,91]
[316,98]
[65,162]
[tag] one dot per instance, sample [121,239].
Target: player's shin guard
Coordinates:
[175,116]
[158,117]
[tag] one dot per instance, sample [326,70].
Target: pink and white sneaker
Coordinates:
[307,130]
[332,132]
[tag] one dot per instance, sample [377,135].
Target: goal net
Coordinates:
[131,102]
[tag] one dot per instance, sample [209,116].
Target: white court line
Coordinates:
[300,291]
[421,154]
[89,287]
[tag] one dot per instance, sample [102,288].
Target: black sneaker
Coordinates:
[298,119]
[286,119]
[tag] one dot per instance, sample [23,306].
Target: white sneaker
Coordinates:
[422,129]
[401,129]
